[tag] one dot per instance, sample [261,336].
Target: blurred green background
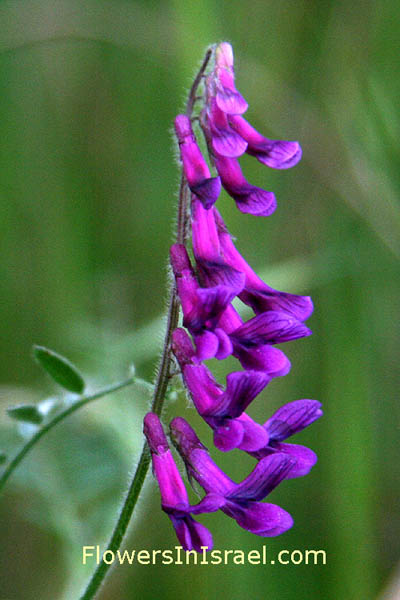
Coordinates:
[88,94]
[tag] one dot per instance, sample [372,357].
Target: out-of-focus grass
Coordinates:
[88,95]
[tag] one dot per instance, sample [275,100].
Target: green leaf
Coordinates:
[28,413]
[3,457]
[60,369]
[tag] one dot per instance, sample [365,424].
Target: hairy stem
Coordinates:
[60,417]
[163,375]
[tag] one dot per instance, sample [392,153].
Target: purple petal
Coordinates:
[202,387]
[207,344]
[278,154]
[191,534]
[196,170]
[256,293]
[172,489]
[262,358]
[228,98]
[182,346]
[154,432]
[204,232]
[225,347]
[249,199]
[215,273]
[229,435]
[305,458]
[207,191]
[214,300]
[271,327]
[241,389]
[292,417]
[199,463]
[267,474]
[255,435]
[261,300]
[224,140]
[210,503]
[266,520]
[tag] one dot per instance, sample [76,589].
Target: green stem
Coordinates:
[162,379]
[57,419]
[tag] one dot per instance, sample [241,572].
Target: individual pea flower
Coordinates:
[174,498]
[277,154]
[256,293]
[229,136]
[285,422]
[228,99]
[222,409]
[197,173]
[201,306]
[249,198]
[240,501]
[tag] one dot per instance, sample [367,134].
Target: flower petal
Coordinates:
[266,520]
[266,475]
[262,358]
[249,199]
[272,327]
[241,389]
[305,458]
[278,154]
[191,534]
[292,417]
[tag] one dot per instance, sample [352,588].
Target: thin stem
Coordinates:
[57,419]
[163,375]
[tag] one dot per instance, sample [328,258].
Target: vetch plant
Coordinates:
[202,323]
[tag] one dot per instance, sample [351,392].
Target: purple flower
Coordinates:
[174,498]
[224,139]
[239,501]
[202,306]
[221,408]
[228,99]
[277,154]
[249,198]
[285,422]
[197,173]
[256,292]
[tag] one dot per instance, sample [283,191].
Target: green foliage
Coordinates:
[60,369]
[28,413]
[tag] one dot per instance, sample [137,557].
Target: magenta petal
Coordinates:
[203,388]
[255,436]
[213,300]
[215,273]
[292,417]
[254,201]
[263,358]
[249,199]
[225,347]
[241,389]
[210,503]
[228,99]
[207,345]
[271,327]
[182,347]
[229,435]
[278,154]
[191,534]
[305,458]
[261,300]
[266,475]
[207,191]
[266,520]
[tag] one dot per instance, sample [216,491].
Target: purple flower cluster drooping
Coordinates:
[213,328]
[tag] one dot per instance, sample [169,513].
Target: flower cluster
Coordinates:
[206,289]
